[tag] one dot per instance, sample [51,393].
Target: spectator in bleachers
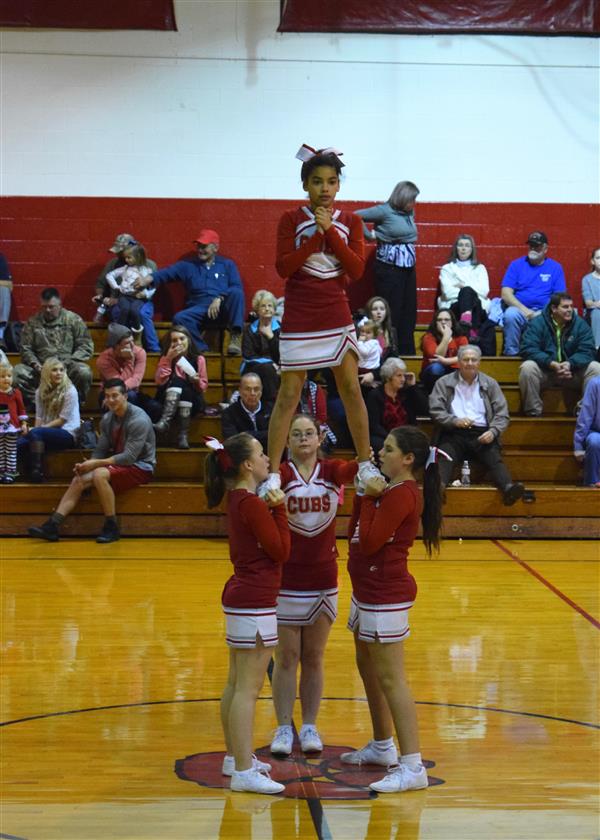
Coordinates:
[123,359]
[104,297]
[54,332]
[440,347]
[313,401]
[591,295]
[260,344]
[526,289]
[248,413]
[471,412]
[586,441]
[463,270]
[213,289]
[57,419]
[393,404]
[182,379]
[132,302]
[6,286]
[395,232]
[474,322]
[378,310]
[124,457]
[558,351]
[369,353]
[13,424]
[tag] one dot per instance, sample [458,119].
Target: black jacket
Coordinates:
[235,420]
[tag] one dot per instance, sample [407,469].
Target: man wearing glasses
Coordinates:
[54,332]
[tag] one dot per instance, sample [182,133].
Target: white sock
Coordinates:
[412,761]
[244,772]
[382,746]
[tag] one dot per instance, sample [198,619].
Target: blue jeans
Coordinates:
[591,463]
[514,324]
[53,439]
[195,319]
[146,315]
[432,373]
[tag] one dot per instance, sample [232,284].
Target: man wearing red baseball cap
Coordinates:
[214,291]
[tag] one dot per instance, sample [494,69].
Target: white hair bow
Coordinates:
[305,152]
[434,452]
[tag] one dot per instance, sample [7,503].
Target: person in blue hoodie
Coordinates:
[558,351]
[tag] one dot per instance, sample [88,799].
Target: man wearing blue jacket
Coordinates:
[558,351]
[213,291]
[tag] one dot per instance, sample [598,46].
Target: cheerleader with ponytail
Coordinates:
[382,530]
[259,544]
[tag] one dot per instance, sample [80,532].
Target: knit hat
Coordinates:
[116,333]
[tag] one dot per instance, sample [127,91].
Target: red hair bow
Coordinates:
[223,456]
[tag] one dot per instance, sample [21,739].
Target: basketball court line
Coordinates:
[494,709]
[547,584]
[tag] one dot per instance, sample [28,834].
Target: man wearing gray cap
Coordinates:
[527,287]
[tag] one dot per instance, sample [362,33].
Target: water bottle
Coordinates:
[465,474]
[101,309]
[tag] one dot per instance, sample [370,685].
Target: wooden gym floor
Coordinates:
[114,660]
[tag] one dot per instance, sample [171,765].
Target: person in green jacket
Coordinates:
[558,351]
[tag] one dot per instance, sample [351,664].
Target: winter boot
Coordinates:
[172,398]
[185,415]
[36,454]
[137,335]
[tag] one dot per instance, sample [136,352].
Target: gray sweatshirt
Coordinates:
[139,441]
[390,225]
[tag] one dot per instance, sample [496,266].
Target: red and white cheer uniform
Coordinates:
[259,545]
[318,267]
[381,532]
[309,582]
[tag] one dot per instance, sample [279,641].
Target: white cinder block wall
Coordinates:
[218,109]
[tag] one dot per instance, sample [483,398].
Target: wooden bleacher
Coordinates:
[538,451]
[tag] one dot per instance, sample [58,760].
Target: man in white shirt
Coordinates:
[471,412]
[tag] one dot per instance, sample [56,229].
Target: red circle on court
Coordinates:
[320,777]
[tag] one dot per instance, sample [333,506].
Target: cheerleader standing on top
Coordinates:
[382,530]
[259,544]
[307,602]
[319,250]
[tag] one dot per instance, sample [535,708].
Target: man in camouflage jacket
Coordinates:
[54,331]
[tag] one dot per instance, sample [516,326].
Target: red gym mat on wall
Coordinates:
[514,17]
[73,14]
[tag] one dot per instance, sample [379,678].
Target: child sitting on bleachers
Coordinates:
[123,280]
[369,348]
[13,421]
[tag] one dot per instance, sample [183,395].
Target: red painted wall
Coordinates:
[63,242]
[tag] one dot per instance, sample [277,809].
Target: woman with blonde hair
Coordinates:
[57,417]
[260,344]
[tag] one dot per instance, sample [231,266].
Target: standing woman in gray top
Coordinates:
[395,231]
